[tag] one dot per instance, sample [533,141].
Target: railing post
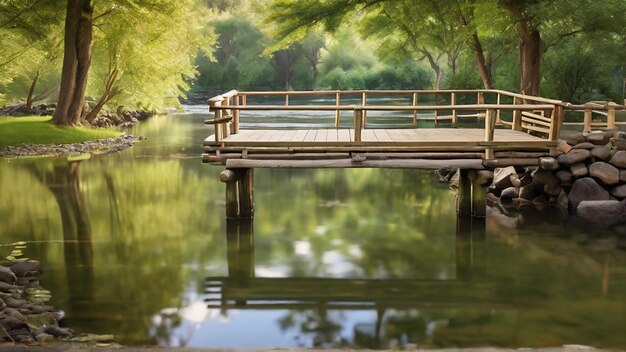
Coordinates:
[364,112]
[286,99]
[499,113]
[587,118]
[555,122]
[517,116]
[436,111]
[358,123]
[234,128]
[610,115]
[490,122]
[224,126]
[218,115]
[453,102]
[337,112]
[415,111]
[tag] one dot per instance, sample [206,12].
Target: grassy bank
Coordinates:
[38,130]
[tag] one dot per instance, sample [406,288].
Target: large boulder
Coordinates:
[574,156]
[606,212]
[602,153]
[502,178]
[619,159]
[548,163]
[579,170]
[604,172]
[586,188]
[619,191]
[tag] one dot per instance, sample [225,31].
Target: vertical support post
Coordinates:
[480,98]
[226,126]
[246,193]
[517,116]
[286,99]
[587,119]
[240,250]
[499,114]
[453,102]
[230,177]
[470,247]
[436,111]
[415,97]
[337,112]
[358,123]
[490,123]
[555,122]
[235,125]
[479,203]
[464,195]
[218,115]
[364,104]
[245,99]
[610,117]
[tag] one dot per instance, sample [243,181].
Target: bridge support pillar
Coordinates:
[471,196]
[239,193]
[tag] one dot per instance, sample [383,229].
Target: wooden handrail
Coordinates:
[387,107]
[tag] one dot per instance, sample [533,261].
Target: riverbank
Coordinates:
[99,146]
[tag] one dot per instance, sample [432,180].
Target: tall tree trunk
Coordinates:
[31,92]
[530,59]
[435,66]
[76,62]
[109,92]
[483,68]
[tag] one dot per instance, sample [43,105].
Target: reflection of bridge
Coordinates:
[530,126]
[242,290]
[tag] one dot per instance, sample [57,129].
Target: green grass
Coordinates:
[38,130]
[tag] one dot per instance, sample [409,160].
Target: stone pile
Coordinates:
[24,318]
[120,119]
[100,146]
[585,178]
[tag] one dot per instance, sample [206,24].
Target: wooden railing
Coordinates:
[535,115]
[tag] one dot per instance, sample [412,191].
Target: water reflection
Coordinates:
[355,258]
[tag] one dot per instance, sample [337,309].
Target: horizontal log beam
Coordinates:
[475,164]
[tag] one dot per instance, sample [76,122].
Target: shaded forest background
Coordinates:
[148,54]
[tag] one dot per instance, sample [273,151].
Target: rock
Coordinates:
[509,193]
[619,191]
[515,181]
[622,175]
[2,304]
[531,191]
[14,302]
[7,276]
[574,156]
[548,163]
[599,138]
[27,268]
[604,172]
[619,159]
[586,189]
[544,177]
[579,170]
[584,145]
[602,153]
[483,177]
[11,323]
[43,337]
[605,212]
[502,179]
[57,331]
[575,138]
[6,287]
[563,202]
[553,189]
[564,176]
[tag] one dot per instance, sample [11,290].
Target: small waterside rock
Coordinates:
[606,212]
[586,188]
[509,193]
[619,191]
[552,189]
[575,138]
[599,137]
[544,177]
[548,163]
[574,156]
[564,176]
[7,276]
[606,173]
[502,178]
[619,159]
[584,145]
[579,170]
[602,153]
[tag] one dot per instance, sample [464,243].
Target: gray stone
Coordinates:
[584,145]
[575,138]
[6,275]
[531,191]
[27,268]
[502,179]
[553,189]
[6,287]
[599,138]
[619,191]
[57,331]
[619,159]
[602,153]
[579,170]
[622,175]
[563,202]
[509,193]
[484,177]
[574,156]
[516,181]
[548,163]
[586,189]
[604,172]
[606,212]
[564,176]
[43,337]
[544,177]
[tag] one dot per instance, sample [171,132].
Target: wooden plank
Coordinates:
[536,116]
[536,122]
[535,128]
[475,164]
[321,136]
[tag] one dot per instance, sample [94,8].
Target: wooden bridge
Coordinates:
[517,129]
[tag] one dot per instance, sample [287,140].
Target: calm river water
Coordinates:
[135,244]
